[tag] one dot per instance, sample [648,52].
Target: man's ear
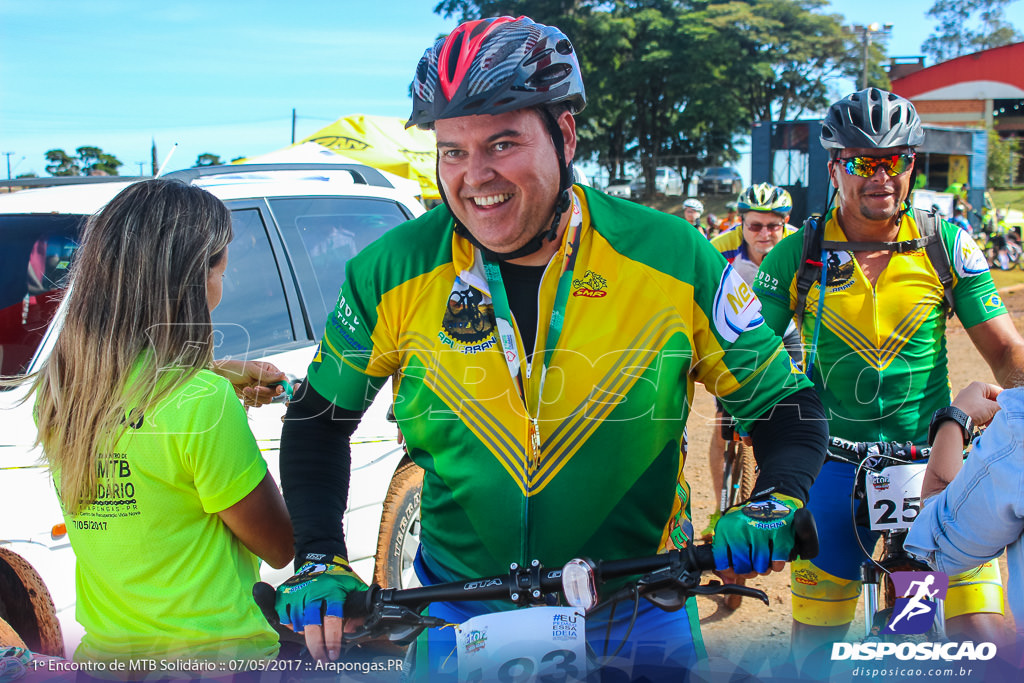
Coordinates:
[832,173]
[567,124]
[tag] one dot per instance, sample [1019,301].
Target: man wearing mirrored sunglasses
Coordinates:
[875,338]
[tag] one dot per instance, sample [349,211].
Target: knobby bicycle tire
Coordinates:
[739,476]
[399,521]
[27,607]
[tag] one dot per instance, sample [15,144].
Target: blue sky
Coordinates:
[222,76]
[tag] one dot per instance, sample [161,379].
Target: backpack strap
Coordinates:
[814,246]
[935,248]
[809,270]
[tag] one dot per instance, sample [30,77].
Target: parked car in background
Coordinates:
[720,180]
[667,182]
[295,227]
[618,187]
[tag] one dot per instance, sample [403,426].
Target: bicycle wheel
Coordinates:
[748,473]
[399,536]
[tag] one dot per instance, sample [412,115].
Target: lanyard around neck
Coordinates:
[506,330]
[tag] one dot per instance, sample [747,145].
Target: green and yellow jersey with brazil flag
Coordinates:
[880,359]
[652,308]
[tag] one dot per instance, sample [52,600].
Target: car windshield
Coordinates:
[37,253]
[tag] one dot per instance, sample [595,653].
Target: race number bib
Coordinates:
[894,496]
[533,644]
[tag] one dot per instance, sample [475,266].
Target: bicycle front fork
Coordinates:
[871,576]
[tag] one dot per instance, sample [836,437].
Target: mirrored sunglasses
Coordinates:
[865,167]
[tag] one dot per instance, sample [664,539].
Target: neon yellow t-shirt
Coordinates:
[159,575]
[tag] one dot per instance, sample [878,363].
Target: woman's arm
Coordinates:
[977,400]
[261,523]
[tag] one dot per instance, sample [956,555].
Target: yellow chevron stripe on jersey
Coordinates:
[492,431]
[591,413]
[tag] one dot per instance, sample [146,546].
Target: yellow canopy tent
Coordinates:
[384,143]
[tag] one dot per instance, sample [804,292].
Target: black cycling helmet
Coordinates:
[498,65]
[493,66]
[871,118]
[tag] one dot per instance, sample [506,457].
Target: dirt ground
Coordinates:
[755,632]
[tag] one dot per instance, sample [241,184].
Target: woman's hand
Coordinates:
[251,380]
[978,400]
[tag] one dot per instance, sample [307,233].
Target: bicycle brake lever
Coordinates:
[731,589]
[397,623]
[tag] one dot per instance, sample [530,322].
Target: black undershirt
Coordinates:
[522,285]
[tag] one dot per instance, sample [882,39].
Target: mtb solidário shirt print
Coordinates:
[159,575]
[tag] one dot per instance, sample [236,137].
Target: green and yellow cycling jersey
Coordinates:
[880,351]
[652,308]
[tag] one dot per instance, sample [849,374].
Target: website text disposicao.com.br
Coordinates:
[944,660]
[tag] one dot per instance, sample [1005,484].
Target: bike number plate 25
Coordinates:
[533,644]
[894,496]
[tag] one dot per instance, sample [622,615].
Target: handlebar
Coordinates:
[666,579]
[856,452]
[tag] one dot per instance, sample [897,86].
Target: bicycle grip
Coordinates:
[360,603]
[806,534]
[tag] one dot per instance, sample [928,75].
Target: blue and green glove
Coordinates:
[749,537]
[317,590]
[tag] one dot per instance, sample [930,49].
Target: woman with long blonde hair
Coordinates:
[166,497]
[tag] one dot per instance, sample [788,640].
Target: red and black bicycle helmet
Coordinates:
[493,66]
[497,65]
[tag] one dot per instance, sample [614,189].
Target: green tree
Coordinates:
[88,160]
[208,160]
[95,162]
[1003,159]
[61,164]
[968,26]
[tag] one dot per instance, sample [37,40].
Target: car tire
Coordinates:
[26,606]
[398,536]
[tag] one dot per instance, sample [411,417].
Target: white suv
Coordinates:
[295,226]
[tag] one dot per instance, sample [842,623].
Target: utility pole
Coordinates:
[865,33]
[8,155]
[293,125]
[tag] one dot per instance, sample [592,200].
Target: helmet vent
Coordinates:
[563,47]
[549,76]
[453,58]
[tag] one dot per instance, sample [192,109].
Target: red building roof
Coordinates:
[987,75]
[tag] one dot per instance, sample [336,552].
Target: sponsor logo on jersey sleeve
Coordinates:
[968,260]
[736,309]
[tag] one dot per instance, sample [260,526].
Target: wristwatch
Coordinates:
[956,415]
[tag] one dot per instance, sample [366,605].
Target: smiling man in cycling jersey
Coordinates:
[875,345]
[544,339]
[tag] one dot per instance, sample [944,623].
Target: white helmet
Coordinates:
[695,204]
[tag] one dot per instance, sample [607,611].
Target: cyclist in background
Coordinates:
[516,468]
[692,210]
[875,347]
[731,220]
[959,219]
[764,215]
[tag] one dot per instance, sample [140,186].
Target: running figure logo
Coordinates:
[917,593]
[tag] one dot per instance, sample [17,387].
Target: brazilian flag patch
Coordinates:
[993,303]
[318,358]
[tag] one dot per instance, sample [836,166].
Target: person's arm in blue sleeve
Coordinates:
[982,510]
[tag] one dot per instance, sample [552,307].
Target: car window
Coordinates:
[34,263]
[333,230]
[253,313]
